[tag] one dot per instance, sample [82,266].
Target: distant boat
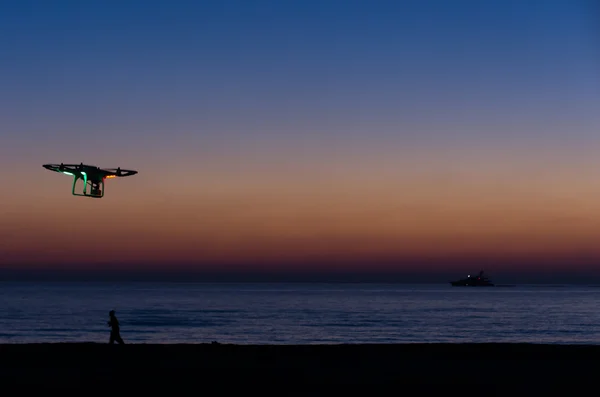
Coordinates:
[477,281]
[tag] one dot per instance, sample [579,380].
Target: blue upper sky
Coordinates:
[115,62]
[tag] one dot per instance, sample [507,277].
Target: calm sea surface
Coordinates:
[298,313]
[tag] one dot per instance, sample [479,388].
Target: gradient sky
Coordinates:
[408,136]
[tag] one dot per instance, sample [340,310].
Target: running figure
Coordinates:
[114,332]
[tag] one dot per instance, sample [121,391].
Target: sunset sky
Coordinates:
[303,135]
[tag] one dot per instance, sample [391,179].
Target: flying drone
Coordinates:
[91,175]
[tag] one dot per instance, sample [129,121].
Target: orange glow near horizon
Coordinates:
[379,213]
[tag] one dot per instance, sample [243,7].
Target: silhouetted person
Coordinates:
[115,331]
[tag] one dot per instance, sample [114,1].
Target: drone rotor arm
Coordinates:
[63,168]
[119,172]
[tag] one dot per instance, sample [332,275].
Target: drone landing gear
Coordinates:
[91,188]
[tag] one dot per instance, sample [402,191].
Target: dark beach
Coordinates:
[300,370]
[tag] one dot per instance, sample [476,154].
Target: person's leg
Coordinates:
[112,338]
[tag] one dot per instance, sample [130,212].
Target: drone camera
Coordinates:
[95,191]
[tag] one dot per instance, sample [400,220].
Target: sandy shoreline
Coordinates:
[308,367]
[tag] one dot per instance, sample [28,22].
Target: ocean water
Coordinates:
[298,313]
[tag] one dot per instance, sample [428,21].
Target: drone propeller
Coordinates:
[116,172]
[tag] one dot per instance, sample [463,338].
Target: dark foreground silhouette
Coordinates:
[115,329]
[221,369]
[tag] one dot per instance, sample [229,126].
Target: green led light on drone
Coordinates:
[67,173]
